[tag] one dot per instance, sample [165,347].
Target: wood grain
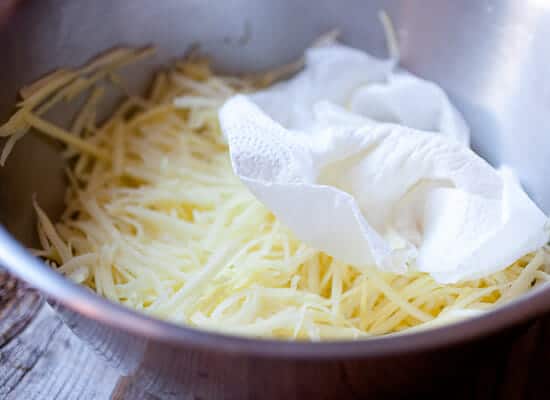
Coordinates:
[18,305]
[47,361]
[39,357]
[42,359]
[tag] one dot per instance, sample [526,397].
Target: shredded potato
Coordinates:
[156,220]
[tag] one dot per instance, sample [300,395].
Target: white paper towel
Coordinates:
[364,85]
[333,154]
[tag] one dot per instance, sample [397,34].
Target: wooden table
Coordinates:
[41,359]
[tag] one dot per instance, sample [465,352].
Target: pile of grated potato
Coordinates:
[156,220]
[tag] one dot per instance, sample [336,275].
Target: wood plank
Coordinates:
[18,305]
[47,361]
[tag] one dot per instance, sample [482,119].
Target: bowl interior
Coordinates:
[490,56]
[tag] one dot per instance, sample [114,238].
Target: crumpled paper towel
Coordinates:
[372,166]
[363,85]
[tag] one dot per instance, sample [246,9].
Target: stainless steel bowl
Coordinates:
[493,58]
